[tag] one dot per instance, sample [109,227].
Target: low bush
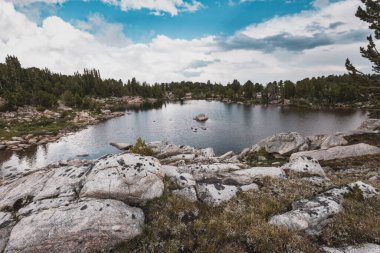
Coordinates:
[141,148]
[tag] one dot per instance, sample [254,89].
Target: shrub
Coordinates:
[141,148]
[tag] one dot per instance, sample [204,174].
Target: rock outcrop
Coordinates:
[339,152]
[77,206]
[129,178]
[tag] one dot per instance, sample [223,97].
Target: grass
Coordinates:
[240,225]
[359,223]
[41,126]
[253,159]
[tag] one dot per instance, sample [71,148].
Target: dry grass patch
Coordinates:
[240,225]
[359,223]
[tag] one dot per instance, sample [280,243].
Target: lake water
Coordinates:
[230,127]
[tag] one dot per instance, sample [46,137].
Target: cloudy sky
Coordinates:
[173,40]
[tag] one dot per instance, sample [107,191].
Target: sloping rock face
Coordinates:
[304,164]
[312,214]
[370,124]
[129,178]
[340,152]
[78,227]
[6,224]
[77,206]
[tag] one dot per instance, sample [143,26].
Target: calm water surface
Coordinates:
[230,127]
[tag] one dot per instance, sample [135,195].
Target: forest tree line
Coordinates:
[41,87]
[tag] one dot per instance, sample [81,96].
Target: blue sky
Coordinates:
[175,40]
[214,17]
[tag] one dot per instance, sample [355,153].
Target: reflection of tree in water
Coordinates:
[146,106]
[5,156]
[29,155]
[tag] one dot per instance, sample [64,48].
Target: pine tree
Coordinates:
[371,15]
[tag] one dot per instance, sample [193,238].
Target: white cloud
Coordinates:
[173,7]
[107,33]
[67,48]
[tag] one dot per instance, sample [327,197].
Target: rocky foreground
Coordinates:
[85,206]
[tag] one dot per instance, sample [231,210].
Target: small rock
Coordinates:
[215,194]
[121,146]
[187,193]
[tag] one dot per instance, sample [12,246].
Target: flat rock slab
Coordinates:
[84,226]
[284,143]
[249,176]
[130,178]
[360,149]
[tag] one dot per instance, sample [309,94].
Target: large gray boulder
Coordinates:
[131,178]
[340,152]
[284,143]
[312,214]
[83,226]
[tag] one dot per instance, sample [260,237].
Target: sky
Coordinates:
[195,40]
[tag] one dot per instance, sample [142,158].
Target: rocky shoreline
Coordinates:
[59,122]
[85,206]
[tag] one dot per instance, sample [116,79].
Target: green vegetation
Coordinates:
[141,148]
[40,87]
[371,85]
[43,126]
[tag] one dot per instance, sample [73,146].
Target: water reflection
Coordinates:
[230,127]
